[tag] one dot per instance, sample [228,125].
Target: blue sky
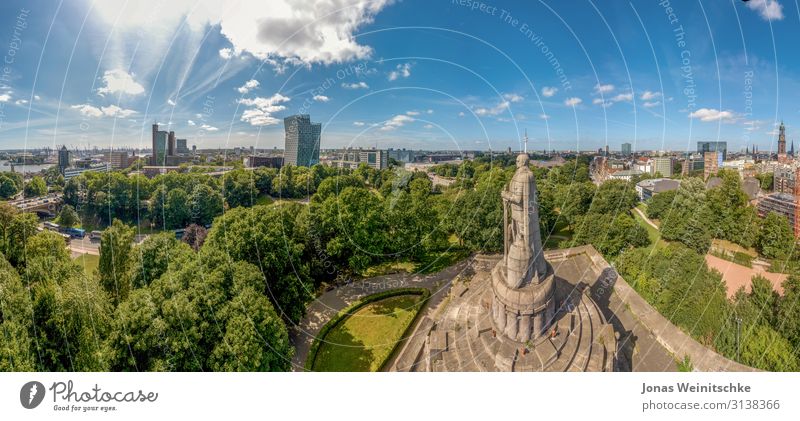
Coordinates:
[420,74]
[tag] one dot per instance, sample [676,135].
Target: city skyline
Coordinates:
[396,78]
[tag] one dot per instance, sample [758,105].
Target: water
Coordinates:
[24,168]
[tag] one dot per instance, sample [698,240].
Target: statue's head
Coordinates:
[522,160]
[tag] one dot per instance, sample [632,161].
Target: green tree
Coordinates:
[35,187]
[177,211]
[68,217]
[660,204]
[20,230]
[776,240]
[153,256]
[16,318]
[116,244]
[613,197]
[8,187]
[205,204]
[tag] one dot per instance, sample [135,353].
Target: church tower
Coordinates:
[782,143]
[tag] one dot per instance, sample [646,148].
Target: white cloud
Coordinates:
[171,102]
[461,114]
[711,114]
[301,32]
[549,91]
[21,101]
[428,126]
[118,81]
[430,111]
[571,102]
[651,104]
[191,123]
[412,112]
[603,89]
[37,97]
[768,9]
[597,101]
[512,97]
[226,53]
[208,128]
[321,98]
[248,86]
[396,122]
[402,70]
[649,96]
[354,85]
[110,111]
[544,116]
[261,109]
[5,98]
[358,123]
[623,97]
[496,110]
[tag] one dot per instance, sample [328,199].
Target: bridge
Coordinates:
[48,203]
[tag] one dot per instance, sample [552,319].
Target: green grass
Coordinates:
[263,199]
[89,262]
[364,340]
[386,268]
[652,233]
[429,263]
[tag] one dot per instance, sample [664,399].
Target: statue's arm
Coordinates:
[513,197]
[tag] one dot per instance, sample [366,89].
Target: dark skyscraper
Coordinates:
[159,145]
[63,159]
[301,146]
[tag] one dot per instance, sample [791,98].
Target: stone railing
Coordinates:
[671,337]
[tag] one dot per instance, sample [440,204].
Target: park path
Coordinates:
[327,305]
[646,219]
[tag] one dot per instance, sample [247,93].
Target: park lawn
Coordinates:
[89,262]
[364,340]
[386,268]
[652,233]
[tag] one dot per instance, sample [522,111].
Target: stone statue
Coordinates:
[523,242]
[523,285]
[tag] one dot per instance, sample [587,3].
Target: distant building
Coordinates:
[301,144]
[663,165]
[181,146]
[692,164]
[63,159]
[782,143]
[783,180]
[712,161]
[160,140]
[401,155]
[626,148]
[783,204]
[703,147]
[625,175]
[254,161]
[76,171]
[649,188]
[352,158]
[117,159]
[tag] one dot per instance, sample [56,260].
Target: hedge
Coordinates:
[352,308]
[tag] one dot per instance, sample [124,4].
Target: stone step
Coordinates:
[571,342]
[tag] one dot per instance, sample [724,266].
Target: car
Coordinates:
[95,235]
[75,232]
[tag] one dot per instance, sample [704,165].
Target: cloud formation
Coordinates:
[711,114]
[768,9]
[248,86]
[96,112]
[549,91]
[261,109]
[402,70]
[118,81]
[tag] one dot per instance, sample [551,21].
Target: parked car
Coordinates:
[75,232]
[95,235]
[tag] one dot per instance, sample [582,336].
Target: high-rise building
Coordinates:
[626,148]
[301,145]
[703,147]
[712,161]
[663,165]
[181,146]
[63,159]
[171,144]
[160,138]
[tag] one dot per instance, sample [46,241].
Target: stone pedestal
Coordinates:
[522,314]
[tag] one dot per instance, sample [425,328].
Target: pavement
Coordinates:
[646,219]
[327,305]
